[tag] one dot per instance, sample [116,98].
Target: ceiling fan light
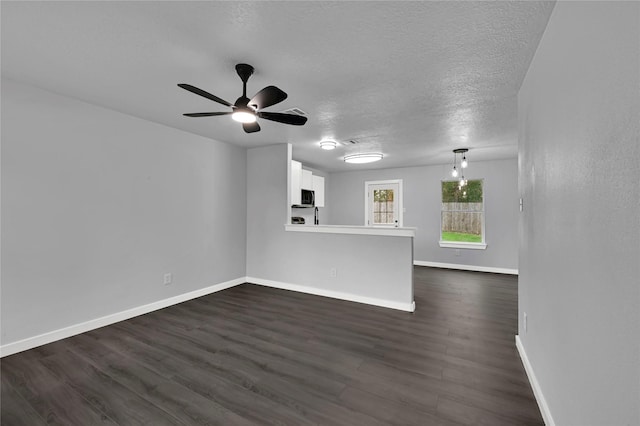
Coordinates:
[363,158]
[328,145]
[244,117]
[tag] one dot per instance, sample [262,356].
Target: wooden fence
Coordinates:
[462,217]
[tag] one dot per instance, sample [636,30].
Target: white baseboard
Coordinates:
[466,267]
[537,391]
[63,333]
[408,307]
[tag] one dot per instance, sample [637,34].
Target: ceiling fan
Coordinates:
[246,110]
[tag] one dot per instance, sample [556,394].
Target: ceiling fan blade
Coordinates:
[204,94]
[206,114]
[296,120]
[251,127]
[268,96]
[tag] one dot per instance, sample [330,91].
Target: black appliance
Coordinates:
[307,199]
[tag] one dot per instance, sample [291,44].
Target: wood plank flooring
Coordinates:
[255,355]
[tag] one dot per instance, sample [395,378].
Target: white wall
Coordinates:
[305,259]
[422,198]
[579,109]
[98,205]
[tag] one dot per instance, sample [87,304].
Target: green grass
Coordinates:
[459,236]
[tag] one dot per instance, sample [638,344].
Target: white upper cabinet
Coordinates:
[318,188]
[307,181]
[296,181]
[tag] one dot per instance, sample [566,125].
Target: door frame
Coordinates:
[400,201]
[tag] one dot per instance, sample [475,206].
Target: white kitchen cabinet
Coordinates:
[307,180]
[296,182]
[318,188]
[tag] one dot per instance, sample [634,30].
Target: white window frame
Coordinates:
[400,202]
[461,244]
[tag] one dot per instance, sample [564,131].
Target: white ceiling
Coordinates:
[412,80]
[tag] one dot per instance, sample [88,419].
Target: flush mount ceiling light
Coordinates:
[463,164]
[328,145]
[363,158]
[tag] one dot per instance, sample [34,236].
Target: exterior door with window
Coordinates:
[384,203]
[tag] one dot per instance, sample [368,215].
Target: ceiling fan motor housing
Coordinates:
[243,103]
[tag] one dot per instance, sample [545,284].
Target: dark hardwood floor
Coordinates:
[255,355]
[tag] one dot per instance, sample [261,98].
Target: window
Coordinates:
[462,215]
[383,206]
[383,203]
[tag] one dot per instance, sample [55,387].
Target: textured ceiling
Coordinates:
[412,80]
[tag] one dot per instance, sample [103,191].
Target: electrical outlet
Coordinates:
[333,272]
[168,278]
[457,252]
[524,322]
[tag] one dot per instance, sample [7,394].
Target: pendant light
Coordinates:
[463,165]
[454,171]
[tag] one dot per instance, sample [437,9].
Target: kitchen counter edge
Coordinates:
[357,230]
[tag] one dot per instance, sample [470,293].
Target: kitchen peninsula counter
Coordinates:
[354,230]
